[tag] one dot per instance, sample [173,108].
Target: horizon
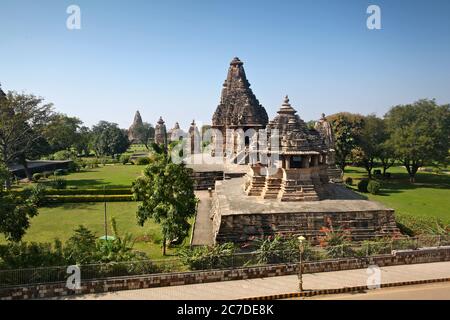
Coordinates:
[170,59]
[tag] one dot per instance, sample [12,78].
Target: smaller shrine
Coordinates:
[160,132]
[301,169]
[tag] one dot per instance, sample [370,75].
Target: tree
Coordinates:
[419,133]
[108,139]
[347,128]
[370,141]
[62,131]
[22,119]
[167,194]
[82,143]
[144,134]
[15,210]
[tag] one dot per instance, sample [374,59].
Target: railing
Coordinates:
[41,275]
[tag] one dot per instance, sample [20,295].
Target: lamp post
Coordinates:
[301,239]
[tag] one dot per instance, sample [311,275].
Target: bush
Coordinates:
[63,155]
[37,177]
[349,181]
[202,258]
[125,158]
[88,198]
[59,172]
[362,185]
[419,225]
[373,187]
[142,161]
[35,193]
[73,166]
[72,191]
[47,174]
[59,183]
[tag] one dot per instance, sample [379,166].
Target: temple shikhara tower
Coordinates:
[133,134]
[238,107]
[161,132]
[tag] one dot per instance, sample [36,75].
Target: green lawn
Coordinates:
[109,176]
[60,221]
[429,196]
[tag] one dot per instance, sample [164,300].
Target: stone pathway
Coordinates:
[203,224]
[278,285]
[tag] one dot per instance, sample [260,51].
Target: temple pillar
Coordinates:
[316,160]
[288,162]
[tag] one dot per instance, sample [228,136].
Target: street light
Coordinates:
[301,239]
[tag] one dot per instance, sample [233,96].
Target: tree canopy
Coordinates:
[108,139]
[419,133]
[167,194]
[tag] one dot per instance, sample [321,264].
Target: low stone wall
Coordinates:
[206,179]
[50,290]
[361,225]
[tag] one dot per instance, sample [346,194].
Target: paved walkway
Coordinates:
[434,291]
[203,234]
[278,285]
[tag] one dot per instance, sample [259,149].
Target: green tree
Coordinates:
[15,210]
[370,142]
[145,134]
[82,143]
[167,194]
[347,128]
[22,121]
[108,139]
[419,134]
[62,131]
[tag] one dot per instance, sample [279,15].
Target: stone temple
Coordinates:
[238,107]
[297,193]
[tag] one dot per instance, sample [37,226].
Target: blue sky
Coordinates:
[170,58]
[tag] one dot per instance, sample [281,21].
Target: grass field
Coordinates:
[429,196]
[60,221]
[109,176]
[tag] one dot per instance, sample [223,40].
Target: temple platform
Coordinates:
[238,217]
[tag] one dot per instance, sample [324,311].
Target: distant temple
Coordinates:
[238,107]
[133,134]
[160,132]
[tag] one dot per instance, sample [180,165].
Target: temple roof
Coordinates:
[295,136]
[238,105]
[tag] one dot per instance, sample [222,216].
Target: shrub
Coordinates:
[418,225]
[125,158]
[88,198]
[142,161]
[47,174]
[201,258]
[73,166]
[349,181]
[35,193]
[73,191]
[59,172]
[373,186]
[59,183]
[37,177]
[362,185]
[63,155]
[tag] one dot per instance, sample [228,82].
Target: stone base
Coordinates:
[239,218]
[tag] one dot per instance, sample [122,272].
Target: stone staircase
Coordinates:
[271,188]
[256,186]
[335,174]
[309,192]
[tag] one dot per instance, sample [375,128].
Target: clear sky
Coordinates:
[170,58]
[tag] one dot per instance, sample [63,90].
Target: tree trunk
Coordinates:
[26,169]
[164,245]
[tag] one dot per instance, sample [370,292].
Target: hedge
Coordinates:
[87,198]
[93,192]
